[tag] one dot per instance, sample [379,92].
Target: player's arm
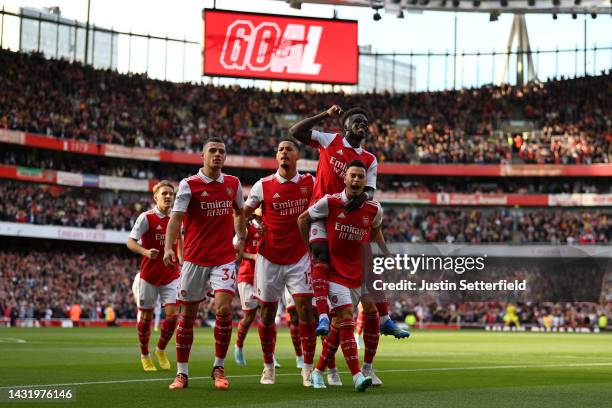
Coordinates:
[172,234]
[302,130]
[180,249]
[135,247]
[239,222]
[240,230]
[304,221]
[377,234]
[379,238]
[173,230]
[250,256]
[138,230]
[318,211]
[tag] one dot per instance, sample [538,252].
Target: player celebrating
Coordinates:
[348,235]
[283,258]
[209,204]
[155,279]
[246,272]
[335,152]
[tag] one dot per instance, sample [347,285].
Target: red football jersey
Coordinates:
[283,202]
[347,233]
[335,153]
[246,272]
[209,221]
[150,229]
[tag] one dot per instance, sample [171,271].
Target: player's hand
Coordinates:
[170,258]
[335,110]
[239,247]
[356,202]
[152,253]
[262,229]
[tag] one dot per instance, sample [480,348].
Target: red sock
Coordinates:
[167,330]
[294,330]
[267,336]
[383,308]
[330,346]
[320,285]
[349,345]
[223,334]
[359,325]
[144,332]
[371,335]
[243,329]
[309,340]
[331,361]
[184,338]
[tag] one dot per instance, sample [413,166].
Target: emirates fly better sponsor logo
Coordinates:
[265,47]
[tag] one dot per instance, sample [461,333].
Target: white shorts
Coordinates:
[196,281]
[147,295]
[247,300]
[318,231]
[271,279]
[289,301]
[340,295]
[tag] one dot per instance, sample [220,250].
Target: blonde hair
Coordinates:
[162,183]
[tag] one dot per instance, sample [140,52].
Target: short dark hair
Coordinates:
[356,163]
[291,140]
[212,140]
[347,114]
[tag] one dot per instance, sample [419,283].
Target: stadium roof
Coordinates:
[592,7]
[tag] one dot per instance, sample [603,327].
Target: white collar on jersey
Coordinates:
[283,180]
[346,143]
[207,179]
[344,197]
[159,212]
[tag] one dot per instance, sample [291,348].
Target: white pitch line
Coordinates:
[404,370]
[12,340]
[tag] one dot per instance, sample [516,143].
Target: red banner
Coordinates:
[268,46]
[269,163]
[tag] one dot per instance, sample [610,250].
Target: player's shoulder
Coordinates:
[230,179]
[373,204]
[189,180]
[150,211]
[269,178]
[368,155]
[306,177]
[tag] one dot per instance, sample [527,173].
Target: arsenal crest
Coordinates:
[304,190]
[366,220]
[229,191]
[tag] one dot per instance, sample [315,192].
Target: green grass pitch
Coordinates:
[432,369]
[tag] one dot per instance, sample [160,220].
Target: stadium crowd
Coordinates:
[41,284]
[100,209]
[545,314]
[143,170]
[44,284]
[444,127]
[465,225]
[55,205]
